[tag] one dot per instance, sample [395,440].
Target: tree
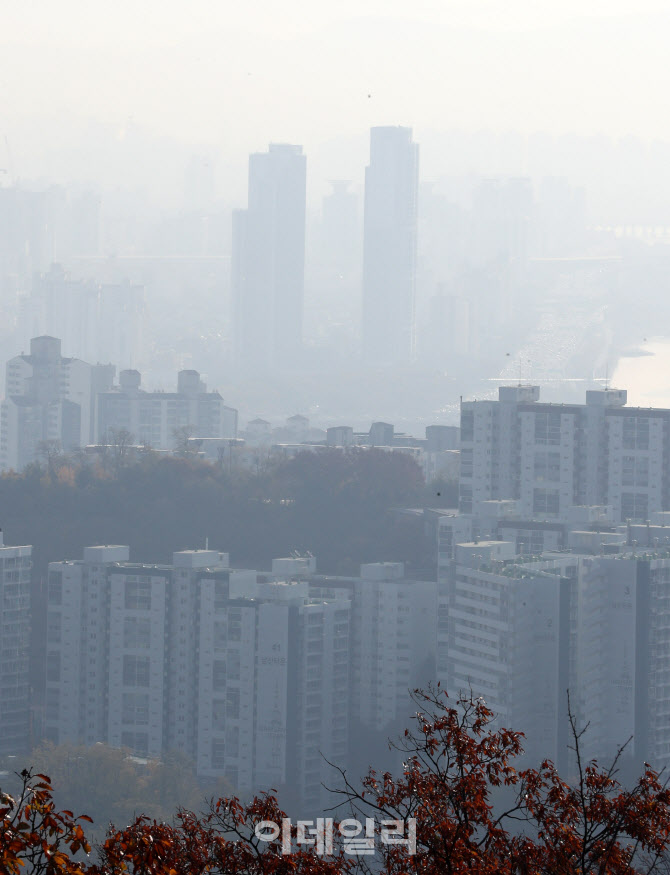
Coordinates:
[182,436]
[457,765]
[50,450]
[113,788]
[34,836]
[119,440]
[222,841]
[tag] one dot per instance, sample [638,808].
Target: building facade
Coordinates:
[47,398]
[15,727]
[157,419]
[552,457]
[389,246]
[247,676]
[268,262]
[393,637]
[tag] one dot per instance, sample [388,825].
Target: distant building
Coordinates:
[95,322]
[154,418]
[381,434]
[538,608]
[258,432]
[504,635]
[277,661]
[340,436]
[393,631]
[268,261]
[297,428]
[15,564]
[551,457]
[334,260]
[47,398]
[389,247]
[247,676]
[442,437]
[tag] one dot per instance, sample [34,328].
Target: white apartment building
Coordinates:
[522,631]
[154,417]
[15,564]
[505,637]
[47,397]
[275,660]
[551,457]
[638,449]
[248,677]
[393,629]
[623,654]
[109,667]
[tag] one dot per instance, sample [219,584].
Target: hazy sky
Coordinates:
[234,75]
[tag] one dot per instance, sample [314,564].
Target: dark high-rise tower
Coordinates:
[389,255]
[269,260]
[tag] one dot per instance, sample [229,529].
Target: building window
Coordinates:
[467,426]
[55,588]
[218,753]
[52,703]
[233,672]
[136,633]
[219,675]
[136,671]
[220,636]
[53,665]
[546,501]
[530,542]
[218,715]
[233,741]
[138,742]
[547,466]
[465,499]
[634,506]
[635,433]
[233,704]
[135,709]
[466,463]
[53,627]
[138,595]
[548,428]
[635,471]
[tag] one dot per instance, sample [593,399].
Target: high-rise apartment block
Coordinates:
[154,417]
[501,635]
[552,457]
[393,638]
[15,564]
[268,263]
[389,246]
[47,398]
[554,575]
[249,677]
[523,632]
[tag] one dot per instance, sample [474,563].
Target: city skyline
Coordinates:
[333,396]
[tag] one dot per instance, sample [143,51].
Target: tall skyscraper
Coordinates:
[389,256]
[268,262]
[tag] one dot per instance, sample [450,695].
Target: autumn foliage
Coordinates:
[456,765]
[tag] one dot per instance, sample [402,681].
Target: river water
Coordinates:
[645,373]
